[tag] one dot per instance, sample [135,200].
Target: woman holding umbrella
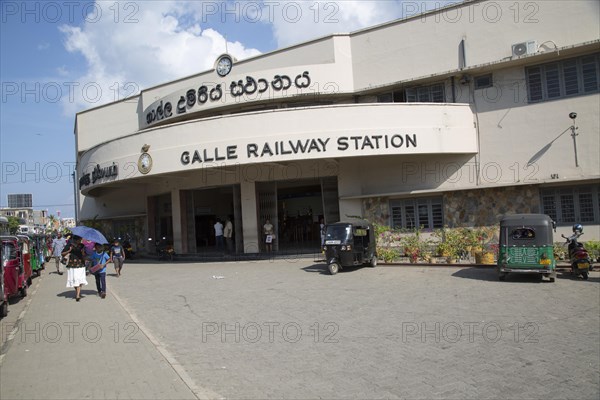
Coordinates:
[76,266]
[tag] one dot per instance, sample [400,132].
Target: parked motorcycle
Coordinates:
[164,251]
[579,258]
[129,252]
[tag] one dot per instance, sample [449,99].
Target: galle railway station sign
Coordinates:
[300,147]
[194,99]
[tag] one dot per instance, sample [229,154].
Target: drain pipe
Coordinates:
[453,83]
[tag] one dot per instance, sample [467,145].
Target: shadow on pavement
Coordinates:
[490,274]
[15,299]
[323,270]
[480,274]
[568,275]
[70,294]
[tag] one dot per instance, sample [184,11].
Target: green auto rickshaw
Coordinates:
[527,246]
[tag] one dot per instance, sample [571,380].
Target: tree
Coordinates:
[52,220]
[13,225]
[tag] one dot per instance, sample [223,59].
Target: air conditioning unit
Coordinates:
[524,48]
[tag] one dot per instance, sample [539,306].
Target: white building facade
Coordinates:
[451,118]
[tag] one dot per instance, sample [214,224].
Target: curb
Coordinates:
[6,345]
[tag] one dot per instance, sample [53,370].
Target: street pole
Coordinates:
[75,197]
[574,135]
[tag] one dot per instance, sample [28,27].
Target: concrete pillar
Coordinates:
[176,218]
[351,207]
[249,217]
[151,212]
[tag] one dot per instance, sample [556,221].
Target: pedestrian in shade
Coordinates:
[219,233]
[269,234]
[228,234]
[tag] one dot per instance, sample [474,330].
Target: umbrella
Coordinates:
[90,234]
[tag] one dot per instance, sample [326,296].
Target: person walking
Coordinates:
[219,234]
[117,256]
[75,266]
[58,245]
[99,260]
[228,234]
[322,231]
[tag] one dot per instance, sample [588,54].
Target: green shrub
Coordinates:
[593,248]
[388,254]
[560,251]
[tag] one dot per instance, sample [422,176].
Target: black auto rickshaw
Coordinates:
[349,244]
[527,245]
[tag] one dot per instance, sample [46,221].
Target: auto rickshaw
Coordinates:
[3,296]
[26,253]
[349,244]
[36,253]
[15,281]
[527,245]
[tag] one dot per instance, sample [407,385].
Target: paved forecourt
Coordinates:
[286,329]
[63,349]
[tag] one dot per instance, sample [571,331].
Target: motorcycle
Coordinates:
[164,251]
[129,252]
[579,258]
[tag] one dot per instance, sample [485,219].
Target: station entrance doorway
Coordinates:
[296,210]
[201,208]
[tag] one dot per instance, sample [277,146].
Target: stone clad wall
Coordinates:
[485,207]
[469,208]
[377,210]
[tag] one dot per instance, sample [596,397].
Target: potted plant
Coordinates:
[388,254]
[488,250]
[428,257]
[388,243]
[413,245]
[450,245]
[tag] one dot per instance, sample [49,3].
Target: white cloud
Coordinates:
[162,41]
[297,21]
[153,42]
[43,46]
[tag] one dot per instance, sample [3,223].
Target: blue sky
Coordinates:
[59,58]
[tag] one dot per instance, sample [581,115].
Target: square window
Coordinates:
[483,81]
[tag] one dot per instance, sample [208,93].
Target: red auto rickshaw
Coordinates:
[13,263]
[26,249]
[3,296]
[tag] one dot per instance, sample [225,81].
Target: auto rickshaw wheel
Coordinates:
[502,277]
[373,262]
[552,278]
[585,276]
[4,310]
[23,291]
[333,268]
